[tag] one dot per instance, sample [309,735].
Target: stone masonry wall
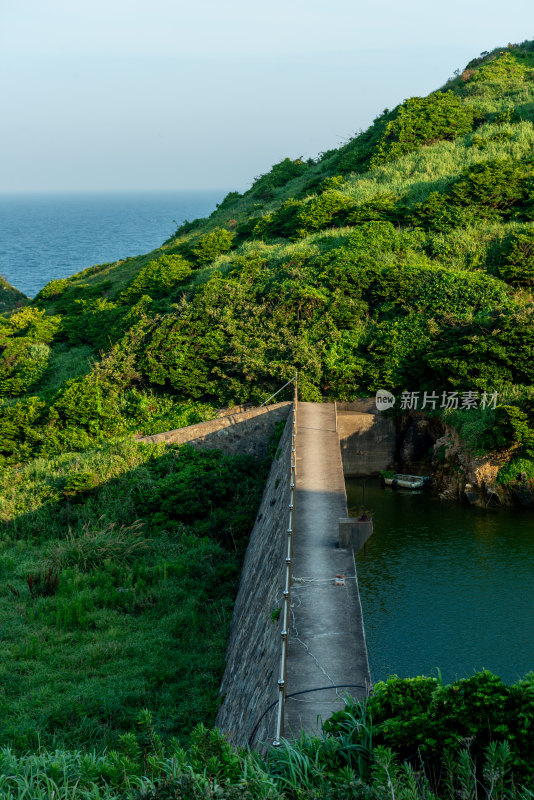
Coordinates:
[366,437]
[243,432]
[249,683]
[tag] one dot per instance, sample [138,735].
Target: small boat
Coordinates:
[407,481]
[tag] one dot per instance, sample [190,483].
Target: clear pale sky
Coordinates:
[169,94]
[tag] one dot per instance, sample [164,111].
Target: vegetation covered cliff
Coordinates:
[403,260]
[10,298]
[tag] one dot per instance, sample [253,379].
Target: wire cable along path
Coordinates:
[323,647]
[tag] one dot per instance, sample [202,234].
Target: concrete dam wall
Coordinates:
[326,633]
[335,440]
[249,683]
[367,438]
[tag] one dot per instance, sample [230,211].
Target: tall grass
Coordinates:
[432,167]
[140,613]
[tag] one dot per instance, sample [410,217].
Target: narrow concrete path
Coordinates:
[327,640]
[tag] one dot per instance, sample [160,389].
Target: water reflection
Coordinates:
[445,585]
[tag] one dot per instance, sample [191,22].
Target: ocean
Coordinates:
[46,236]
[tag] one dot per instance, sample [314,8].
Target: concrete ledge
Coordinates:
[353,533]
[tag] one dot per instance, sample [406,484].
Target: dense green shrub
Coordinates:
[52,290]
[423,120]
[88,409]
[32,324]
[499,74]
[24,358]
[186,227]
[280,174]
[515,258]
[158,278]
[283,222]
[88,403]
[434,290]
[230,199]
[178,353]
[153,412]
[384,206]
[438,213]
[21,431]
[334,182]
[519,471]
[492,190]
[79,483]
[211,245]
[91,323]
[68,301]
[329,209]
[494,187]
[212,476]
[427,723]
[22,364]
[10,298]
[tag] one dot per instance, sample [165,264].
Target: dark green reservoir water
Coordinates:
[445,585]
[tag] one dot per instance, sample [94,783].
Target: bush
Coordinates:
[157,279]
[32,324]
[423,120]
[515,263]
[79,483]
[384,207]
[21,431]
[429,725]
[328,210]
[229,200]
[90,323]
[22,365]
[518,470]
[280,174]
[498,75]
[283,222]
[52,290]
[212,245]
[492,190]
[357,153]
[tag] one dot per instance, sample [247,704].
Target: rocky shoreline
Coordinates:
[425,443]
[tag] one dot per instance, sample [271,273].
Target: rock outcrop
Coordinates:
[428,446]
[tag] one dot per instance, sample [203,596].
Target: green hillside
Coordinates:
[403,260]
[10,298]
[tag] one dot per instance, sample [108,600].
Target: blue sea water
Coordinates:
[46,236]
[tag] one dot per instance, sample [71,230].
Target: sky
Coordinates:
[102,95]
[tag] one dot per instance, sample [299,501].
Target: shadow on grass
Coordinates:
[147,563]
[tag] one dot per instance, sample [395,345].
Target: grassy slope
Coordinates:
[146,581]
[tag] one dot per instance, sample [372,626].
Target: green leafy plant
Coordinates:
[158,278]
[212,245]
[422,120]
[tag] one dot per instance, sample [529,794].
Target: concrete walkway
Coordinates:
[327,639]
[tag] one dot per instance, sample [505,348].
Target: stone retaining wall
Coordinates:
[249,683]
[242,432]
